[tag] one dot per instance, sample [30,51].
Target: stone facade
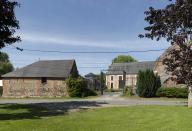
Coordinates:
[160,70]
[33,87]
[117,82]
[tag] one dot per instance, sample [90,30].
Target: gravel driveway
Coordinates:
[108,99]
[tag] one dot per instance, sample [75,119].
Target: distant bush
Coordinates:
[77,87]
[88,92]
[172,92]
[147,83]
[127,91]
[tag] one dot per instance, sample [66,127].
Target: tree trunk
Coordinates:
[190,97]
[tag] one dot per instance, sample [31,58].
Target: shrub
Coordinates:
[88,92]
[77,87]
[127,91]
[172,92]
[147,83]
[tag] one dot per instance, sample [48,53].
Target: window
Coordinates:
[43,80]
[111,77]
[120,78]
[111,85]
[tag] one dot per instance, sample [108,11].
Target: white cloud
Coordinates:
[138,44]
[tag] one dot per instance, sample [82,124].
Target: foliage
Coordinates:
[123,59]
[172,92]
[147,83]
[4,57]
[77,87]
[5,68]
[127,91]
[102,80]
[174,23]
[5,65]
[9,23]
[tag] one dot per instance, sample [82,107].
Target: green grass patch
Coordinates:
[135,118]
[155,98]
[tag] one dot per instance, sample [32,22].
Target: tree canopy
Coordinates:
[5,65]
[123,59]
[8,23]
[174,23]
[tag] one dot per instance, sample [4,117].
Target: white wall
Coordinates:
[1,83]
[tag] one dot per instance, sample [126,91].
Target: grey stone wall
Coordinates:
[33,87]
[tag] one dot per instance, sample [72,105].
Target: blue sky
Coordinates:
[83,25]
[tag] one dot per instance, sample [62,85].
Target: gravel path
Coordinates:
[107,100]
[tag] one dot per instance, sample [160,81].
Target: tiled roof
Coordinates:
[46,68]
[130,68]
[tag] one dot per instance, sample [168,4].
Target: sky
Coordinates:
[85,26]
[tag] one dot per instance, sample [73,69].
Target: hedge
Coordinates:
[172,92]
[77,87]
[127,91]
[147,83]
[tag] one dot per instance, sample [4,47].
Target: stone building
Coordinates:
[160,69]
[125,74]
[42,78]
[92,81]
[120,75]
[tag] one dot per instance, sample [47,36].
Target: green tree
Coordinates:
[8,23]
[5,65]
[174,22]
[77,87]
[123,59]
[147,83]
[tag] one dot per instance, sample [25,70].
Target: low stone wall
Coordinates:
[33,88]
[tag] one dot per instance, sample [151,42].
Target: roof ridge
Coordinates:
[49,68]
[59,60]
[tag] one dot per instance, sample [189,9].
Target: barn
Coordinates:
[42,78]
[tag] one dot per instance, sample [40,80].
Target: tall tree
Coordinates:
[5,65]
[123,59]
[174,23]
[8,23]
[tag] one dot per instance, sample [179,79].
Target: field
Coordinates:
[135,118]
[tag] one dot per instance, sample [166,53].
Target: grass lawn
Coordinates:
[135,118]
[155,98]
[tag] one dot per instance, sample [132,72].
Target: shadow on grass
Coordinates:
[39,110]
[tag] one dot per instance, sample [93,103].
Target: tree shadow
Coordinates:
[40,110]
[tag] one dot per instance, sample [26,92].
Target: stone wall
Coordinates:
[33,87]
[129,80]
[160,69]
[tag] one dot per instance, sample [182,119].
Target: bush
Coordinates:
[77,87]
[147,83]
[88,92]
[127,91]
[172,92]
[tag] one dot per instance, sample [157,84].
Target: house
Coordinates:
[92,81]
[125,74]
[120,75]
[42,78]
[160,69]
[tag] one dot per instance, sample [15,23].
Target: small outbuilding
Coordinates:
[92,81]
[42,78]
